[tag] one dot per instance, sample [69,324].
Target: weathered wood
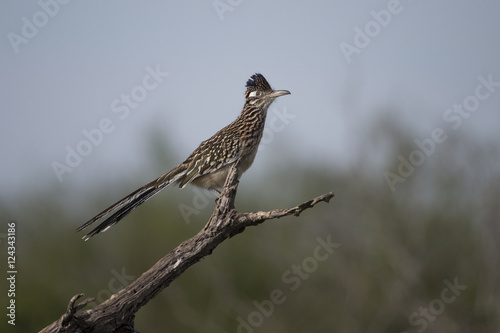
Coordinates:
[117,313]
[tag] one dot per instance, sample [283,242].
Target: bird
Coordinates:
[209,164]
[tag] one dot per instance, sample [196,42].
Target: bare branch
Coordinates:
[117,313]
[72,309]
[259,217]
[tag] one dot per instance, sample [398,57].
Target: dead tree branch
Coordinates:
[117,313]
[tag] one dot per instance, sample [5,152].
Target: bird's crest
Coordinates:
[257,82]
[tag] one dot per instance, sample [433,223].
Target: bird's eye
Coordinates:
[255,94]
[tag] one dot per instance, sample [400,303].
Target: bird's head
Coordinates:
[260,92]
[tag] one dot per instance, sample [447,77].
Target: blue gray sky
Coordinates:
[130,68]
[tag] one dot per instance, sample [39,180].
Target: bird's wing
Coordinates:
[212,155]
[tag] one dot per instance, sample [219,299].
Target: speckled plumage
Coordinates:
[209,164]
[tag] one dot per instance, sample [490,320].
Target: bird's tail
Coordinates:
[132,201]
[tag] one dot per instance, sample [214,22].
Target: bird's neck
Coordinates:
[255,114]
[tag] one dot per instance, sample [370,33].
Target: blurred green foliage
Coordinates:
[397,249]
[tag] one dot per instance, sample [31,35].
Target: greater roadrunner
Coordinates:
[209,164]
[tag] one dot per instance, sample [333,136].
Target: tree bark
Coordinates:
[117,313]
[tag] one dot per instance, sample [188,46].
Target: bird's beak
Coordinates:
[278,93]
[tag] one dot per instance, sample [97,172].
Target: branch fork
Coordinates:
[117,313]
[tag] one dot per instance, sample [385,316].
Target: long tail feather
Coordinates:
[131,201]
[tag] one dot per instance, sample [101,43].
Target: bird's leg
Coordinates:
[216,192]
